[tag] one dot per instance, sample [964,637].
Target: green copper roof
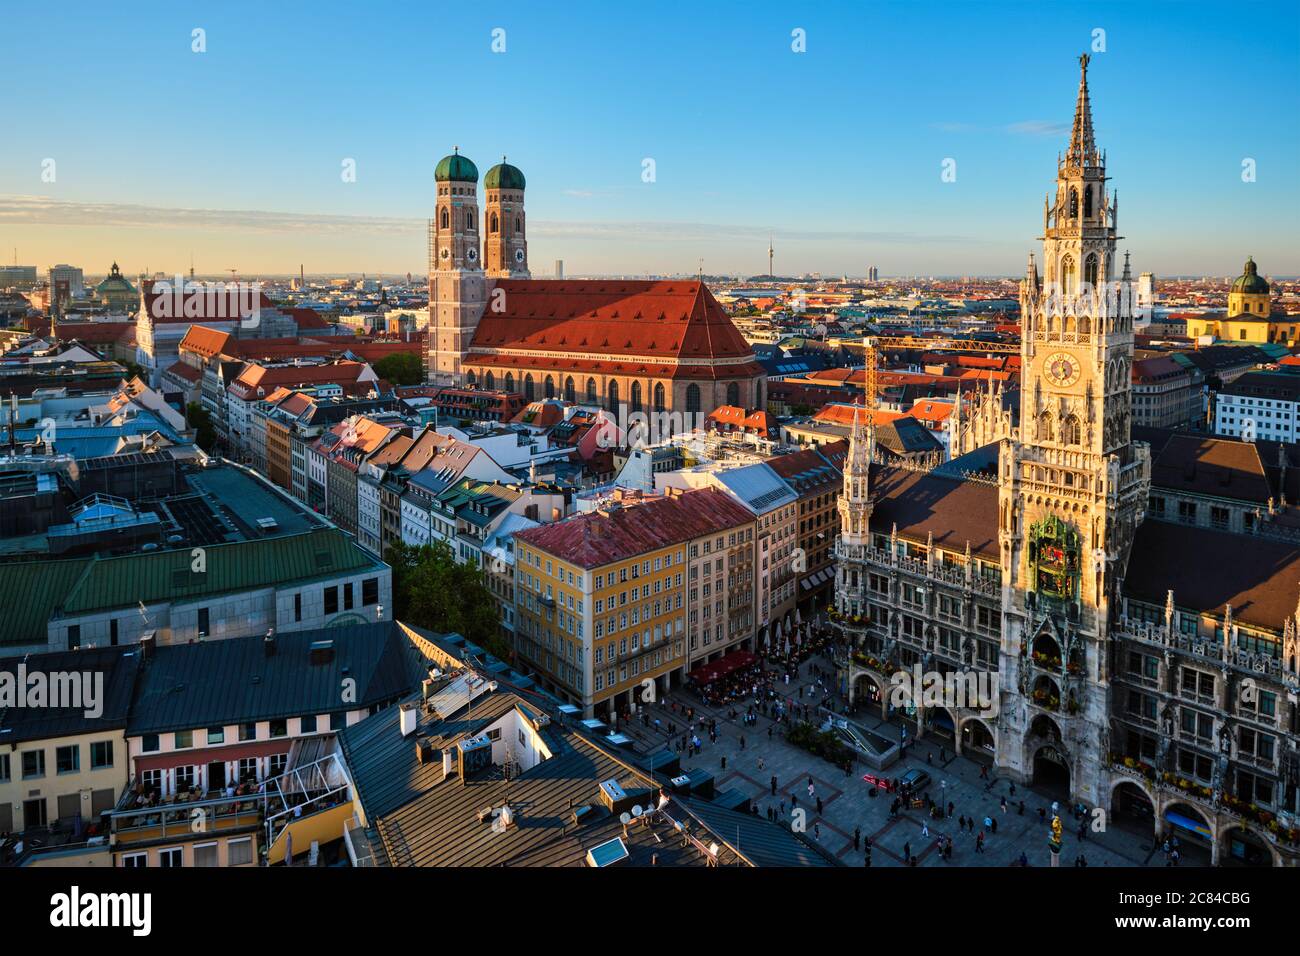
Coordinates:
[1250,280]
[456,168]
[504,176]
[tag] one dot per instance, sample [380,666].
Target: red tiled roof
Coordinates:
[182,370]
[256,376]
[844,414]
[92,333]
[640,325]
[594,539]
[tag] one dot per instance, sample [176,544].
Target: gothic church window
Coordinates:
[591,391]
[446,220]
[492,223]
[1087,202]
[693,398]
[1074,203]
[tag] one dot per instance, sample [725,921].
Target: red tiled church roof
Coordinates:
[644,327]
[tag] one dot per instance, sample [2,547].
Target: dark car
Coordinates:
[916,780]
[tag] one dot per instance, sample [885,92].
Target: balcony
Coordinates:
[1207,649]
[955,577]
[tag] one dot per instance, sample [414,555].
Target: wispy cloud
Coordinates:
[18,210]
[1039,128]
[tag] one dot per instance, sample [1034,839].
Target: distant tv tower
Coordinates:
[770,273]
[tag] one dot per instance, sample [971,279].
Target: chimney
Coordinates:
[410,718]
[148,641]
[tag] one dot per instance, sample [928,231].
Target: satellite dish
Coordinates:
[625,818]
[637,811]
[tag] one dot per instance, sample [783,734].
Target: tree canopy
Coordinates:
[432,590]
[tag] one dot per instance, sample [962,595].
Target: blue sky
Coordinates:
[235,154]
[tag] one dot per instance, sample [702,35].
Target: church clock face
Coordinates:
[471,255]
[519,255]
[446,253]
[1061,370]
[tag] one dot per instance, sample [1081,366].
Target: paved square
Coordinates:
[846,802]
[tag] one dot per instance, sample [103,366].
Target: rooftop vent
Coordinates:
[321,652]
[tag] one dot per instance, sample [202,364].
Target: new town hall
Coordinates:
[1143,666]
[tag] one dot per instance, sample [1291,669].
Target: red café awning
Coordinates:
[727,664]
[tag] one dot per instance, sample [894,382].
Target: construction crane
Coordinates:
[945,344]
[871,382]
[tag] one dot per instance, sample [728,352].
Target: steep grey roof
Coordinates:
[118,667]
[231,681]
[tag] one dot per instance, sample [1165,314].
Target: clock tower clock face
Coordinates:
[519,255]
[1061,370]
[446,253]
[471,255]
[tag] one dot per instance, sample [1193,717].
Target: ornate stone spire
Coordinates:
[1083,148]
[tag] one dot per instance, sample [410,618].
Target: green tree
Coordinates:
[402,368]
[432,590]
[205,435]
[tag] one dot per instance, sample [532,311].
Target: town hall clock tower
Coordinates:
[1072,486]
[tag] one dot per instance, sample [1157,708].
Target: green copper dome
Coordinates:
[456,168]
[1251,281]
[504,176]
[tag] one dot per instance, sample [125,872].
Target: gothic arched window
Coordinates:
[445,220]
[510,381]
[570,393]
[1087,202]
[469,220]
[1074,203]
[1045,426]
[692,398]
[1069,276]
[659,396]
[529,393]
[489,381]
[492,223]
[469,379]
[636,397]
[519,225]
[1090,272]
[612,395]
[591,391]
[733,394]
[550,387]
[1071,433]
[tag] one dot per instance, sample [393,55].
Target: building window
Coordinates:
[279,728]
[33,764]
[101,754]
[204,623]
[205,854]
[239,852]
[67,759]
[307,725]
[149,743]
[297,606]
[135,861]
[692,398]
[216,735]
[369,592]
[332,600]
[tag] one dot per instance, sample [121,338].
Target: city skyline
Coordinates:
[732,173]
